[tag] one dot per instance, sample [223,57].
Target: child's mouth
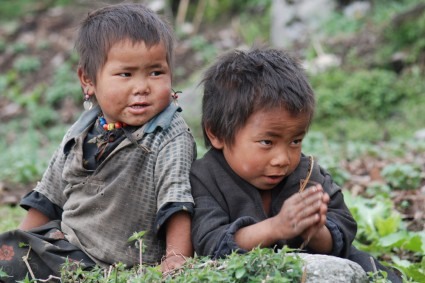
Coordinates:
[275,178]
[139,105]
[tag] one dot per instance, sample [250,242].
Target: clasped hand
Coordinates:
[304,214]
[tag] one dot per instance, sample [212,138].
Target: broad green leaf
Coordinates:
[2,273]
[388,225]
[393,240]
[414,244]
[240,273]
[136,236]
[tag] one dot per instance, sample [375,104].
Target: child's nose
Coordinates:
[281,158]
[141,87]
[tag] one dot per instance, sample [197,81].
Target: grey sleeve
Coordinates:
[172,170]
[38,201]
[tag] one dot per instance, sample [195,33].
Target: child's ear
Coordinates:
[216,142]
[86,83]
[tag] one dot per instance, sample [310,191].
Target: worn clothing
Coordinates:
[124,193]
[46,249]
[137,187]
[224,203]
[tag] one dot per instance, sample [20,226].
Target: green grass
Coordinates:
[12,9]
[11,217]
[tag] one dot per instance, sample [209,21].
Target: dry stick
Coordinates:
[199,14]
[49,278]
[25,259]
[140,255]
[181,12]
[373,265]
[109,272]
[302,187]
[304,276]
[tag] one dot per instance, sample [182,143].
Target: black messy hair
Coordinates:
[240,83]
[106,26]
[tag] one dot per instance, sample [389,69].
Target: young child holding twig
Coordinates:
[123,167]
[255,187]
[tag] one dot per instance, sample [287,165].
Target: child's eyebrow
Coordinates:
[301,133]
[156,65]
[272,134]
[129,67]
[277,134]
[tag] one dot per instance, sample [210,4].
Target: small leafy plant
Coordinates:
[258,265]
[402,176]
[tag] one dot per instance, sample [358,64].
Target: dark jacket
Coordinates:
[224,203]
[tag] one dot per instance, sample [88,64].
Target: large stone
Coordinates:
[298,21]
[324,268]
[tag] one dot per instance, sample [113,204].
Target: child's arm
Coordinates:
[178,240]
[33,219]
[302,214]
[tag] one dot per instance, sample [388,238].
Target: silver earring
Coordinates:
[88,104]
[175,96]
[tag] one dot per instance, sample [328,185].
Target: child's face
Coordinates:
[134,85]
[268,147]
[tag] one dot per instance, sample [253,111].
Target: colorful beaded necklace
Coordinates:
[110,126]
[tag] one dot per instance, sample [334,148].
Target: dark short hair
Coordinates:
[106,26]
[241,82]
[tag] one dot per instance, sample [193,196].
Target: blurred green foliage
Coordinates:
[403,176]
[370,97]
[381,231]
[358,99]
[11,9]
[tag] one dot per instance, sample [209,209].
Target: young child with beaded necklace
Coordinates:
[123,167]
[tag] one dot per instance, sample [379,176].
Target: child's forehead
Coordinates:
[129,42]
[278,118]
[269,109]
[278,111]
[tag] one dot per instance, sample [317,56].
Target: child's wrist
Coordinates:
[277,229]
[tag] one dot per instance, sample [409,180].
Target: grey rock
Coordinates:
[324,268]
[297,21]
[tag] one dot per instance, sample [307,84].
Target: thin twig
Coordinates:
[140,255]
[373,265]
[304,183]
[302,187]
[109,272]
[25,259]
[49,278]
[181,12]
[304,276]
[199,14]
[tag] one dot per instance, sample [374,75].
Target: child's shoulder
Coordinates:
[86,119]
[211,163]
[169,122]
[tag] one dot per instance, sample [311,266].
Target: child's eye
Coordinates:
[125,75]
[156,73]
[266,142]
[297,142]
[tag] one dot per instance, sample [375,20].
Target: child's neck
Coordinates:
[266,197]
[110,126]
